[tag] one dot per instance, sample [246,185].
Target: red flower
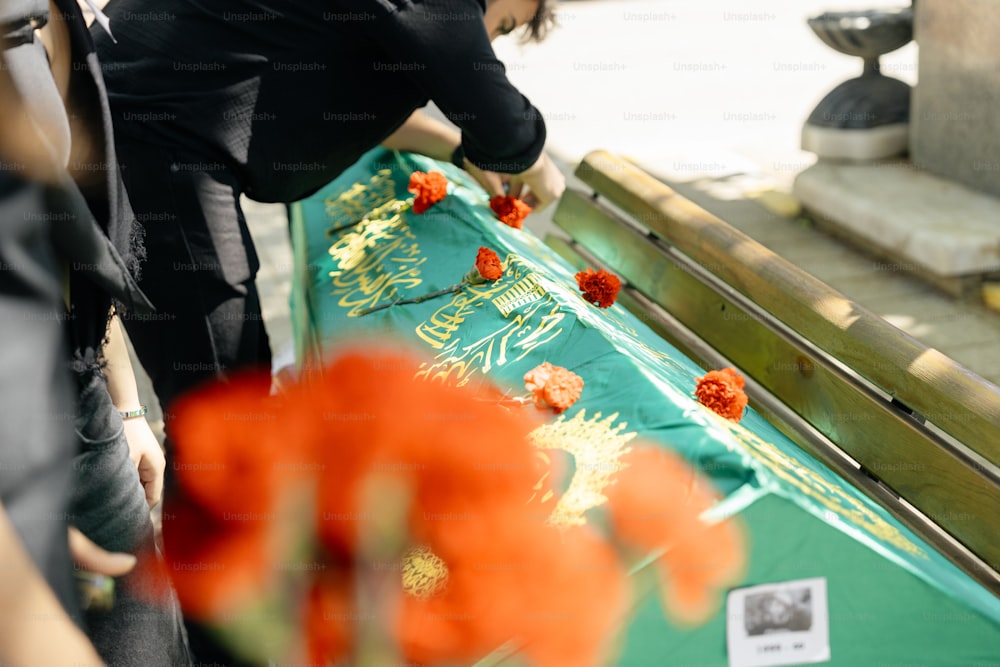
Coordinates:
[600,288]
[422,538]
[722,392]
[553,386]
[217,564]
[402,451]
[511,210]
[488,264]
[655,505]
[223,473]
[330,618]
[429,188]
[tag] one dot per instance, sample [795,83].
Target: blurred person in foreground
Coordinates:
[273,100]
[69,254]
[37,605]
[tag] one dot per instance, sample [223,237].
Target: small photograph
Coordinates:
[785,610]
[782,623]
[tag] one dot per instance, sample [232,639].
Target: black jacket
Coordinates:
[289,94]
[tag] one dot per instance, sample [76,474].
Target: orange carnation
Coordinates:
[511,210]
[722,392]
[599,288]
[553,386]
[655,506]
[488,264]
[429,188]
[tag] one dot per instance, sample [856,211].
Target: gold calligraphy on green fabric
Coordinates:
[597,446]
[811,485]
[358,201]
[532,319]
[375,260]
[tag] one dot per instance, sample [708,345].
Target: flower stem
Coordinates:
[451,289]
[337,230]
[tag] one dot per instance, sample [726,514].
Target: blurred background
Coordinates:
[690,88]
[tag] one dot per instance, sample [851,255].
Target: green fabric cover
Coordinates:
[892,598]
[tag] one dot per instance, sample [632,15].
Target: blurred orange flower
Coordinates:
[510,210]
[722,392]
[429,188]
[553,386]
[655,505]
[217,564]
[222,436]
[418,539]
[599,287]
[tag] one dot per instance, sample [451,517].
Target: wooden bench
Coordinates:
[908,426]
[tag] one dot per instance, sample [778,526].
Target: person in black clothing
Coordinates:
[273,99]
[72,208]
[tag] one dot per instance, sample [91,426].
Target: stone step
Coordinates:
[931,227]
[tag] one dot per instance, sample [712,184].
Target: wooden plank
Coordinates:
[918,465]
[789,423]
[921,378]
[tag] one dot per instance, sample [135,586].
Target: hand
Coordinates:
[145,452]
[95,568]
[92,558]
[544,181]
[491,181]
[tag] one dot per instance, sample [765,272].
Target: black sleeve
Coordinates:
[444,46]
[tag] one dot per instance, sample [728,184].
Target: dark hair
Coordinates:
[544,20]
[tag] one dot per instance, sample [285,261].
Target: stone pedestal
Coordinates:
[937,215]
[955,119]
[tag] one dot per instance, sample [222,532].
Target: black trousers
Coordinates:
[108,505]
[199,271]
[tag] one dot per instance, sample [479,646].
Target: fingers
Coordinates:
[151,476]
[145,452]
[92,558]
[544,183]
[490,181]
[517,189]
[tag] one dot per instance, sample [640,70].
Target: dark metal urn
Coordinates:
[867,117]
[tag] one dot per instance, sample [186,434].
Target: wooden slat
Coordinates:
[960,495]
[788,422]
[956,400]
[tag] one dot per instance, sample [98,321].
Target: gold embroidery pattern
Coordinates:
[356,202]
[597,448]
[525,291]
[424,574]
[811,485]
[375,260]
[437,329]
[535,322]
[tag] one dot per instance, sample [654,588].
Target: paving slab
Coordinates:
[933,224]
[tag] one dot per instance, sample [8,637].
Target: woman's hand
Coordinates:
[92,558]
[544,181]
[144,450]
[491,181]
